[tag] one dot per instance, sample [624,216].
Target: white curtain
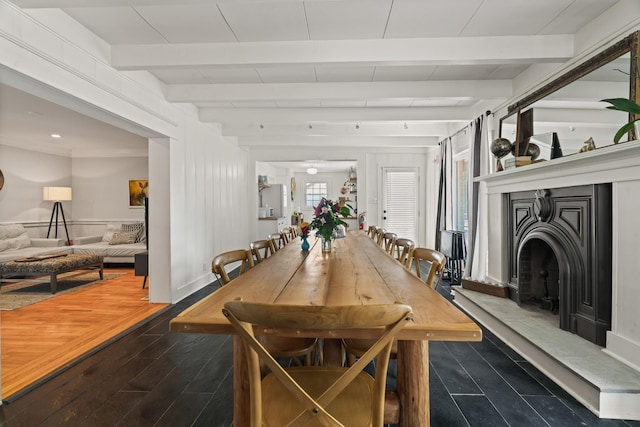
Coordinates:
[479,165]
[444,217]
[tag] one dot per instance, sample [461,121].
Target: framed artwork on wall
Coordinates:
[293,188]
[138,191]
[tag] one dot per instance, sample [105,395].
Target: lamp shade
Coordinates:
[56,193]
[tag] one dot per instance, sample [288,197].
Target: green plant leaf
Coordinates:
[623,131]
[623,104]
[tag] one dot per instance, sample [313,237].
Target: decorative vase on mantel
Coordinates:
[326,244]
[305,243]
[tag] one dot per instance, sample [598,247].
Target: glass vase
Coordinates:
[326,245]
[305,243]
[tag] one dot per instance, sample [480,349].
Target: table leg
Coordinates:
[54,282]
[241,396]
[413,383]
[332,352]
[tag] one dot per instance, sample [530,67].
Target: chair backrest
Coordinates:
[371,231]
[388,242]
[221,260]
[278,240]
[380,236]
[243,315]
[438,262]
[404,250]
[287,234]
[266,246]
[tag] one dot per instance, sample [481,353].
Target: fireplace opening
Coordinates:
[539,276]
[560,255]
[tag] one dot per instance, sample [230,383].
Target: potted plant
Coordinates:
[630,107]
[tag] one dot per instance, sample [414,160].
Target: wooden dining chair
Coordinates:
[278,241]
[371,231]
[283,347]
[404,250]
[287,234]
[261,249]
[388,242]
[317,395]
[380,236]
[437,262]
[219,262]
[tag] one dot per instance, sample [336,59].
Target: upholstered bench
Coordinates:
[51,265]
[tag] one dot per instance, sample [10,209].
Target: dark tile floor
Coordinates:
[152,377]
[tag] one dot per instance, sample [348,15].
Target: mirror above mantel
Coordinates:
[571,105]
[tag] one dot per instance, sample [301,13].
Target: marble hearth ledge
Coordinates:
[608,387]
[613,163]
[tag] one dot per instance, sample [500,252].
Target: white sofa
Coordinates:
[15,243]
[105,246]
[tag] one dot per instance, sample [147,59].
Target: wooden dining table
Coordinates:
[356,271]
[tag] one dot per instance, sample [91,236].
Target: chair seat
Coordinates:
[352,407]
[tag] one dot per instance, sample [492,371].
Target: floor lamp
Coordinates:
[57,194]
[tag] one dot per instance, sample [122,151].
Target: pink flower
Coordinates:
[320,206]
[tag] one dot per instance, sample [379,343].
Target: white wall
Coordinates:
[25,173]
[100,190]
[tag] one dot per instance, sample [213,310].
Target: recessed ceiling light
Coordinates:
[56,135]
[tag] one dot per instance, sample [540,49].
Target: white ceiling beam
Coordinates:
[462,89]
[390,129]
[343,141]
[33,4]
[414,51]
[306,115]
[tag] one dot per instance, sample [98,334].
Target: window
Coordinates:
[314,192]
[460,181]
[461,196]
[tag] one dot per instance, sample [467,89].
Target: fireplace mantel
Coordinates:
[614,163]
[618,165]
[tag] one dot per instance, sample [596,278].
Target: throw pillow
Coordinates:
[10,231]
[123,238]
[22,241]
[111,228]
[138,227]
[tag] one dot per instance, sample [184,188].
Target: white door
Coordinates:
[400,202]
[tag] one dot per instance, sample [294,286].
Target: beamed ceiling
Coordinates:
[364,72]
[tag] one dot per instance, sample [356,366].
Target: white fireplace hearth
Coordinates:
[618,165]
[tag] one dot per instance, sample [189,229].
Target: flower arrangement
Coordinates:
[326,218]
[304,230]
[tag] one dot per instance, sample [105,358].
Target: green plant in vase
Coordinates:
[627,106]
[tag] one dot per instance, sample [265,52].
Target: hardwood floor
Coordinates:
[42,338]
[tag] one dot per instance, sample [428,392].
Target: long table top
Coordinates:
[355,272]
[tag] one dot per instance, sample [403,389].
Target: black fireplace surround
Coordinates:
[559,245]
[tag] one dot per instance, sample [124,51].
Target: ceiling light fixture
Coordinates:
[312,170]
[56,135]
